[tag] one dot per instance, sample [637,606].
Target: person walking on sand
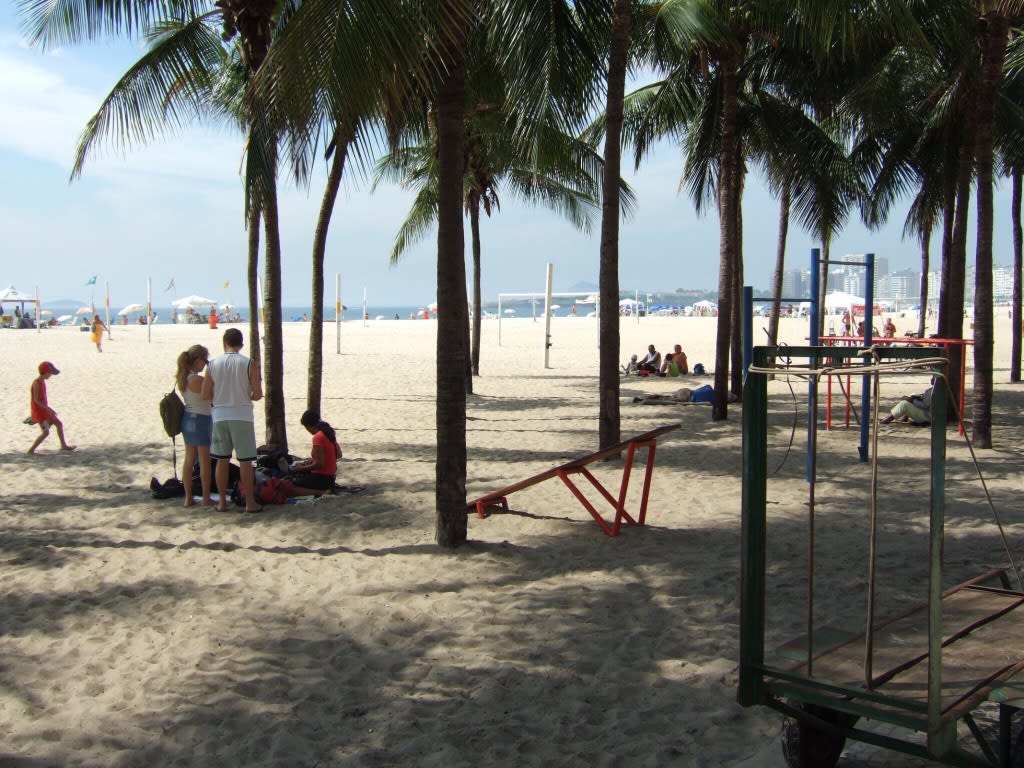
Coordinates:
[97,332]
[42,413]
[232,384]
[197,423]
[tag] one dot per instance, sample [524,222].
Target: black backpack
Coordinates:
[171,412]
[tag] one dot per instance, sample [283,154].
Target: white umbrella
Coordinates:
[64,318]
[193,301]
[46,312]
[510,311]
[84,311]
[555,306]
[131,308]
[627,303]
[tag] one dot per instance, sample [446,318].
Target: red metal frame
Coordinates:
[648,440]
[855,341]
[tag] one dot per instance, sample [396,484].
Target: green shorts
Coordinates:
[237,435]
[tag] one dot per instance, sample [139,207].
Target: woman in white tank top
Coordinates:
[196,424]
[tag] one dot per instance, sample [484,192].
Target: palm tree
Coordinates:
[994,40]
[559,174]
[177,70]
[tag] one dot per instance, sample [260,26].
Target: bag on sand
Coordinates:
[171,411]
[169,489]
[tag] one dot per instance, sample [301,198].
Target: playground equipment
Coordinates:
[565,472]
[925,669]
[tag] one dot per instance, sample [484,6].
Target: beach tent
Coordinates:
[840,300]
[11,295]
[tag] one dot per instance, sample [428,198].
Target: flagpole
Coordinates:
[337,312]
[149,309]
[39,313]
[106,302]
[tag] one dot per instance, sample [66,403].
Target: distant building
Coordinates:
[795,283]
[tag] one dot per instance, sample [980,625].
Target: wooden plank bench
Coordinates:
[648,440]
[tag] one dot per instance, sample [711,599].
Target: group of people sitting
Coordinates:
[674,364]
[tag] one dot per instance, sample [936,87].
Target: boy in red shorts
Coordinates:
[42,413]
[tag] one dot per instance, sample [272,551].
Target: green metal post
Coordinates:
[940,739]
[753,565]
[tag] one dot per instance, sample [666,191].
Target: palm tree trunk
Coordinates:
[780,263]
[948,227]
[728,170]
[608,366]
[1018,265]
[316,329]
[926,237]
[452,322]
[736,372]
[273,368]
[253,279]
[952,321]
[996,30]
[474,226]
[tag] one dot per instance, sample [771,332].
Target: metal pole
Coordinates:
[106,307]
[748,328]
[149,309]
[869,311]
[499,319]
[547,314]
[815,339]
[337,313]
[39,313]
[365,313]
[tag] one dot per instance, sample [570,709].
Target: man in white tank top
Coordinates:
[232,383]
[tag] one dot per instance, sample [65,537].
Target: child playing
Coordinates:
[42,413]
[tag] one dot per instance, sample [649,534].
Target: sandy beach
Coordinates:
[336,633]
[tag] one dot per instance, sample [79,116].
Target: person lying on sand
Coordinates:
[681,395]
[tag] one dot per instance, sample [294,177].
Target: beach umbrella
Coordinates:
[627,303]
[84,311]
[432,307]
[510,311]
[64,318]
[131,308]
[46,312]
[193,301]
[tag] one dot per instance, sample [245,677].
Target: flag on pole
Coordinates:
[91,280]
[169,285]
[227,284]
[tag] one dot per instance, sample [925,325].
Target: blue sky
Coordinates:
[173,209]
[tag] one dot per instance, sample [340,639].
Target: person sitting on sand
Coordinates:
[42,413]
[913,408]
[652,362]
[315,476]
[675,363]
[631,367]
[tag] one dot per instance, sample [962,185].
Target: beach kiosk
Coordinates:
[924,680]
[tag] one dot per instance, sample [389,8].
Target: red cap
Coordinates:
[48,367]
